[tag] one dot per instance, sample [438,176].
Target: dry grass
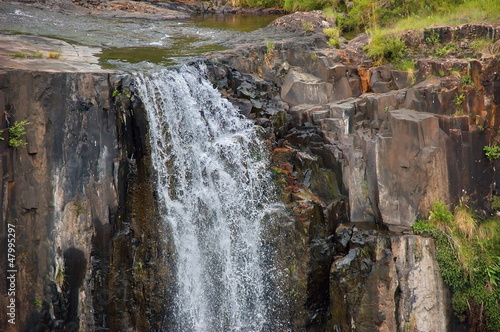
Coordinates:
[54,55]
[464,222]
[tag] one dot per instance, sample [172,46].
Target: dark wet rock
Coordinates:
[90,206]
[380,277]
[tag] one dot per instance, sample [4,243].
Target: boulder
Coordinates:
[303,88]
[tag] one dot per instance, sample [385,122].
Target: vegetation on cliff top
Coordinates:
[395,14]
[468,253]
[385,20]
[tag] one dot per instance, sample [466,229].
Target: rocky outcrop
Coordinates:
[381,280]
[80,198]
[394,141]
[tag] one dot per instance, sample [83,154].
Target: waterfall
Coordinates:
[214,191]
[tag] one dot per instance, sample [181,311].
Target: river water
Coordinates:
[132,44]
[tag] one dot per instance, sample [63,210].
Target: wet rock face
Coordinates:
[380,278]
[70,192]
[372,146]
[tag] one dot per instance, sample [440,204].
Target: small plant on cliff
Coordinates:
[459,100]
[492,151]
[54,55]
[15,133]
[20,54]
[270,46]
[60,275]
[495,203]
[467,253]
[466,80]
[448,48]
[433,38]
[385,48]
[334,35]
[307,25]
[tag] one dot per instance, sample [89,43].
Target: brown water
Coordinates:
[132,44]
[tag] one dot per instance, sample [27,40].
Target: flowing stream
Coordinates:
[214,188]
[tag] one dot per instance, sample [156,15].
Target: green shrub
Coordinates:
[492,151]
[450,47]
[334,42]
[433,38]
[440,214]
[495,203]
[332,32]
[469,262]
[385,48]
[20,54]
[16,131]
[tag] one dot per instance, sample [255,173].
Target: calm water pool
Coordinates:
[132,44]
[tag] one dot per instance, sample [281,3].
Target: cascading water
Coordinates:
[214,188]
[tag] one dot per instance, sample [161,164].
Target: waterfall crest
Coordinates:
[214,191]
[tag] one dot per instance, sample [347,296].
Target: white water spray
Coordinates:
[213,186]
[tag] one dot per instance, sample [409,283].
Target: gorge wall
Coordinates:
[80,197]
[358,152]
[361,152]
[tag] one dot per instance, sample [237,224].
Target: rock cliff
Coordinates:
[80,197]
[361,152]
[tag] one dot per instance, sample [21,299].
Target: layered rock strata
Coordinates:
[366,150]
[79,195]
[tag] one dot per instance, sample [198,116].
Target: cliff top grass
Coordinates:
[394,15]
[474,11]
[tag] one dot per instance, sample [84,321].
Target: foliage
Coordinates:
[270,46]
[495,203]
[466,80]
[332,32]
[433,38]
[405,64]
[20,54]
[385,48]
[468,255]
[335,42]
[440,214]
[15,133]
[492,151]
[334,35]
[459,100]
[480,44]
[38,54]
[449,13]
[54,55]
[393,14]
[450,47]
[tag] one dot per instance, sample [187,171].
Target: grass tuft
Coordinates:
[384,48]
[20,54]
[54,55]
